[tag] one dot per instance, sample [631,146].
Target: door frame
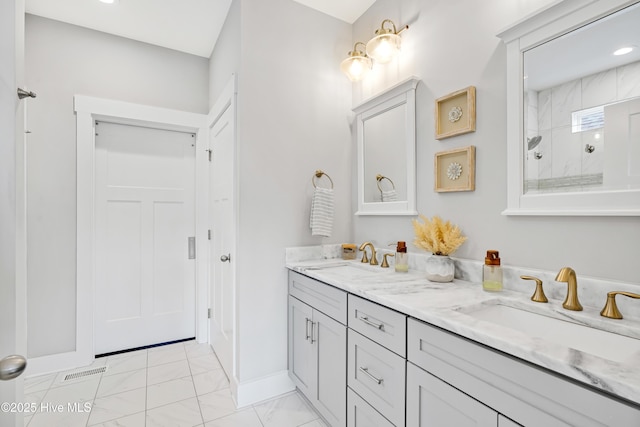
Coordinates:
[89,109]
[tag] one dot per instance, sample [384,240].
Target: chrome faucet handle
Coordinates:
[610,309]
[538,295]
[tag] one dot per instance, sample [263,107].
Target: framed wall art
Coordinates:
[456,113]
[455,170]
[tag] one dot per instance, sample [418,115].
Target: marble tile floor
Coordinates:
[178,385]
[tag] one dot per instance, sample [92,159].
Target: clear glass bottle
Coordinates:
[402,258]
[492,272]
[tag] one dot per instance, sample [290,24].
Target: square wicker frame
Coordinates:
[448,123]
[466,181]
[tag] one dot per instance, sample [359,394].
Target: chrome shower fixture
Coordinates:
[533,142]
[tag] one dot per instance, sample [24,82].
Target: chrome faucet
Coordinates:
[568,275]
[363,248]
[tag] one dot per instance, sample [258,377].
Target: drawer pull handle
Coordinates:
[366,320]
[366,371]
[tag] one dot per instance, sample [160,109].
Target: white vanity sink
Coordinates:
[350,270]
[606,345]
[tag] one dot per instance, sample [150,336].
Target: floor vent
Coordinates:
[85,373]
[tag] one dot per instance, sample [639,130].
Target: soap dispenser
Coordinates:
[492,272]
[402,258]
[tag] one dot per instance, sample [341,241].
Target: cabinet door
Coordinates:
[506,422]
[361,414]
[330,339]
[432,402]
[302,362]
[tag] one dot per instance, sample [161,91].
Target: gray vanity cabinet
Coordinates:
[492,388]
[362,364]
[318,345]
[432,402]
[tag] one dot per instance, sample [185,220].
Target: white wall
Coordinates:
[452,45]
[293,109]
[63,60]
[225,58]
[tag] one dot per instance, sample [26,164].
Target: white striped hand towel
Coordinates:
[389,196]
[321,221]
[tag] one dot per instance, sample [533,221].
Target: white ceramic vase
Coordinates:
[440,268]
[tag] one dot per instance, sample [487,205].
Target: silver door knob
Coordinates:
[225,258]
[12,366]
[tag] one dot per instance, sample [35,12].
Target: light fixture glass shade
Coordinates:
[384,47]
[386,43]
[357,65]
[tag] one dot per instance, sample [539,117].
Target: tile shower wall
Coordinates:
[563,152]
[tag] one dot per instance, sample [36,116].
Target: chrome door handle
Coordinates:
[225,258]
[306,329]
[12,366]
[366,320]
[366,371]
[313,324]
[25,94]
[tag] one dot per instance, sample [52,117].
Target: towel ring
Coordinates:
[319,174]
[380,178]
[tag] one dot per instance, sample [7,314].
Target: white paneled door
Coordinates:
[222,217]
[144,213]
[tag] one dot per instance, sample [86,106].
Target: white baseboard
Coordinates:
[251,392]
[56,362]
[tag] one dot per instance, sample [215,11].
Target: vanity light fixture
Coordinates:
[386,43]
[623,50]
[357,65]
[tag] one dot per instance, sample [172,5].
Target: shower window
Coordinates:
[588,119]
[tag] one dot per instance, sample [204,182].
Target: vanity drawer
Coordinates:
[383,325]
[325,298]
[361,414]
[378,376]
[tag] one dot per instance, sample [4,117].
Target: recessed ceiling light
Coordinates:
[623,50]
[109,1]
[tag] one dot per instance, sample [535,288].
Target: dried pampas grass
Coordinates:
[437,236]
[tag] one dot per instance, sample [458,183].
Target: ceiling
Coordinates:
[585,51]
[190,26]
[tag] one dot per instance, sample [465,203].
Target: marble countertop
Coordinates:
[446,304]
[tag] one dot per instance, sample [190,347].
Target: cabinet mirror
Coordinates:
[386,140]
[574,110]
